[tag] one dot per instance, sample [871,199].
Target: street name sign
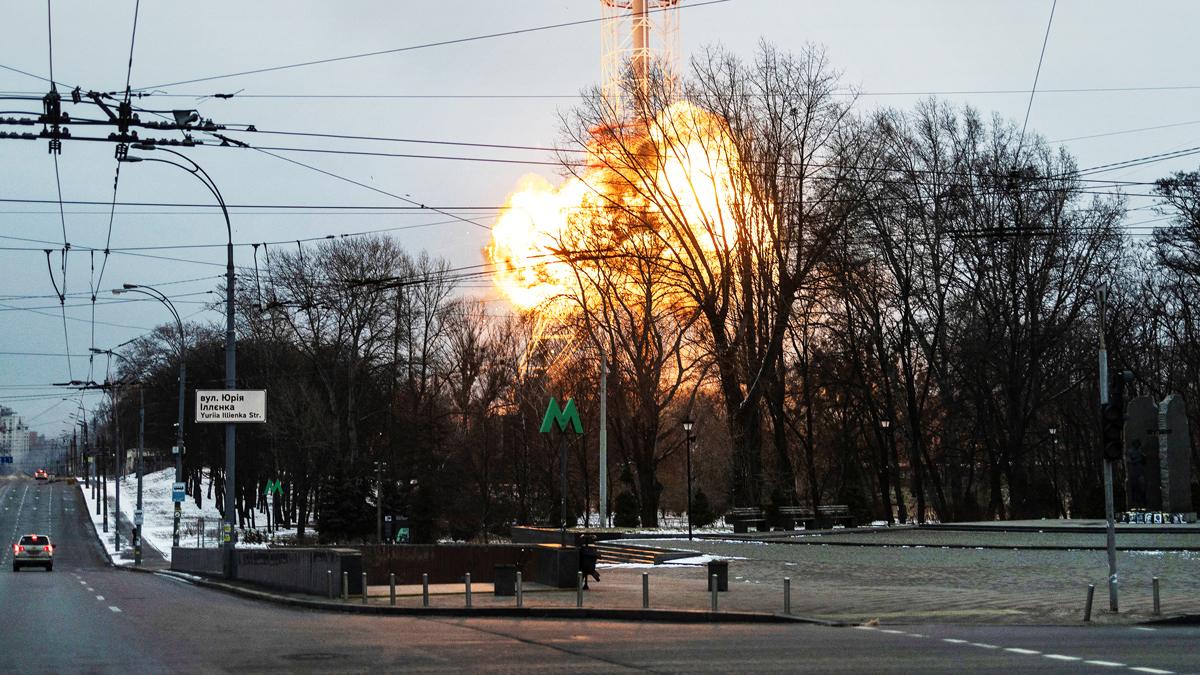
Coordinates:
[231,405]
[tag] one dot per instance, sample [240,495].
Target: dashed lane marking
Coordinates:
[115,609]
[984,645]
[1106,664]
[100,597]
[1062,657]
[1018,650]
[1156,671]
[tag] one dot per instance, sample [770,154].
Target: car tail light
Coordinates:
[48,549]
[19,548]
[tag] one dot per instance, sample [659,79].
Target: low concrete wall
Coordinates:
[204,561]
[447,563]
[526,534]
[302,570]
[444,563]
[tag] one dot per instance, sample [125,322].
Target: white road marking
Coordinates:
[1156,671]
[82,582]
[91,590]
[891,632]
[1144,628]
[115,609]
[1062,657]
[984,645]
[99,597]
[954,641]
[1106,664]
[1018,650]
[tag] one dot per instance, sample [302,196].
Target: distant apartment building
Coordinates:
[14,435]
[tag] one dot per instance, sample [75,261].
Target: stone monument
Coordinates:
[1175,457]
[1143,481]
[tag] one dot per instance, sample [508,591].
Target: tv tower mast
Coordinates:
[636,34]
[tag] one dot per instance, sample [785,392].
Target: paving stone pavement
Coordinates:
[893,583]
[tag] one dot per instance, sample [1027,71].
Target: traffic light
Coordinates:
[1112,419]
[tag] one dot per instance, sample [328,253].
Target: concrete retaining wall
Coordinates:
[447,563]
[204,561]
[302,570]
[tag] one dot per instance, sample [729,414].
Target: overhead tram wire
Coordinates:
[409,48]
[1037,74]
[66,246]
[374,189]
[932,92]
[123,111]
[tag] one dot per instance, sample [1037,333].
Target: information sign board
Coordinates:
[232,405]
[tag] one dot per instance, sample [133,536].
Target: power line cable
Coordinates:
[409,48]
[1037,74]
[374,189]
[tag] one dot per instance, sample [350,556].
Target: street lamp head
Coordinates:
[118,291]
[95,350]
[143,146]
[687,425]
[129,286]
[1053,431]
[129,159]
[884,424]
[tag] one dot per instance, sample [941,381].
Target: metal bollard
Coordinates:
[425,590]
[329,584]
[392,589]
[578,589]
[364,588]
[520,592]
[1087,609]
[467,577]
[1157,606]
[645,590]
[787,595]
[345,586]
[714,592]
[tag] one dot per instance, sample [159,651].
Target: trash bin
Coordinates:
[721,569]
[504,581]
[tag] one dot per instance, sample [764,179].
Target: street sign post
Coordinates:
[234,405]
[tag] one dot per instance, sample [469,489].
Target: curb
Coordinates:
[1181,620]
[660,615]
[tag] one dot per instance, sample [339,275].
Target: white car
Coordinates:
[33,550]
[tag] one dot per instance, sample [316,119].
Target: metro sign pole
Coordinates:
[567,415]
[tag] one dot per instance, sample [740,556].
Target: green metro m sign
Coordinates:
[567,414]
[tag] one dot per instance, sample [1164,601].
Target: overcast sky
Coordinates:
[520,82]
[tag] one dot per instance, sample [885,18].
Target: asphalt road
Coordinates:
[87,617]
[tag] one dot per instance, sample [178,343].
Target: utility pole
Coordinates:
[1110,529]
[137,514]
[603,438]
[118,454]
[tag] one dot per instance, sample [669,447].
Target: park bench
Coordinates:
[834,514]
[743,518]
[789,516]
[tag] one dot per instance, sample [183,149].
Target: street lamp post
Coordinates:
[161,297]
[136,538]
[687,432]
[885,473]
[230,537]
